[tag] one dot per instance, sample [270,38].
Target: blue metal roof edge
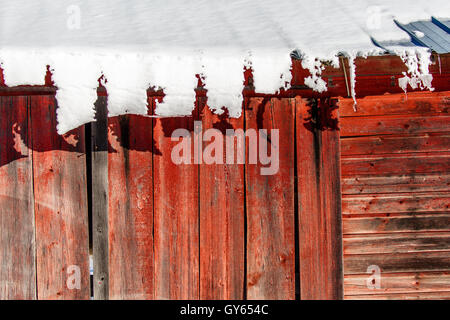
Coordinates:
[440,24]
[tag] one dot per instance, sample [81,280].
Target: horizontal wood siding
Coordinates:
[401,283]
[396,183]
[396,196]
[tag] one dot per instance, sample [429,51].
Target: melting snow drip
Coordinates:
[315,67]
[417,76]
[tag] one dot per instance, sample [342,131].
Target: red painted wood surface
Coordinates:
[270,205]
[396,183]
[414,103]
[425,142]
[176,216]
[396,201]
[394,124]
[60,202]
[319,203]
[395,164]
[130,175]
[222,242]
[17,233]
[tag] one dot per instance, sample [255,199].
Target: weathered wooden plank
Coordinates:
[444,295]
[393,124]
[330,178]
[396,242]
[418,103]
[396,164]
[396,223]
[413,282]
[319,202]
[17,231]
[130,183]
[396,183]
[59,172]
[396,203]
[309,206]
[270,203]
[427,142]
[176,216]
[222,241]
[398,262]
[99,167]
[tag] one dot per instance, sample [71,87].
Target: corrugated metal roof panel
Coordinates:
[428,34]
[433,34]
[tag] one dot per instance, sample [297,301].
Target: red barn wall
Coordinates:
[223,231]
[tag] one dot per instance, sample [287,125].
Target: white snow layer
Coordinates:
[137,44]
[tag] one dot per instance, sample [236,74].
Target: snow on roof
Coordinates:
[136,44]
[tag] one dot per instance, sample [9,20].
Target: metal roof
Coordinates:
[433,34]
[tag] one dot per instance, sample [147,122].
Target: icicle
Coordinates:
[351,62]
[440,68]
